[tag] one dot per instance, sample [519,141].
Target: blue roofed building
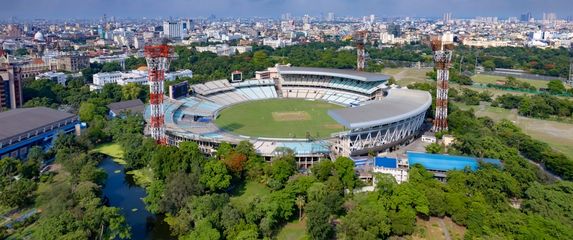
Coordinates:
[23,128]
[441,163]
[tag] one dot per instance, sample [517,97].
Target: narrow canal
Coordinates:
[122,192]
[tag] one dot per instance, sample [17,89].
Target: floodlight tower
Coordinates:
[157,57]
[442,59]
[360,39]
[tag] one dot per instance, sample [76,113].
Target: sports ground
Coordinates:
[280,118]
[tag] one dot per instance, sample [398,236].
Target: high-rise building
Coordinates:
[10,87]
[330,17]
[526,17]
[177,29]
[447,18]
[172,29]
[549,17]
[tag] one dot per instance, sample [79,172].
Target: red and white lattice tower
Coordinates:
[157,63]
[360,39]
[442,60]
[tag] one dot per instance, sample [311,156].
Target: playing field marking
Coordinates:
[291,116]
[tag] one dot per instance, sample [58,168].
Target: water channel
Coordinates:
[122,192]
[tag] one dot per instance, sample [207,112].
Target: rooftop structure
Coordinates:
[399,104]
[443,163]
[25,127]
[133,106]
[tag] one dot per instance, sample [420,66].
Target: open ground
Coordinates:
[280,118]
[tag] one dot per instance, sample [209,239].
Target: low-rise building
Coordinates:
[119,108]
[133,76]
[393,166]
[72,62]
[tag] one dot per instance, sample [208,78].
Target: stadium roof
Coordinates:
[441,162]
[22,120]
[400,104]
[333,72]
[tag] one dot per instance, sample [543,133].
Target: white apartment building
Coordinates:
[133,76]
[100,79]
[58,77]
[397,168]
[224,49]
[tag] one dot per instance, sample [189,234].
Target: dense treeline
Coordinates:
[70,200]
[538,106]
[551,62]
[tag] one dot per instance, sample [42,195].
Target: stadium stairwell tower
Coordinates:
[157,57]
[442,59]
[360,39]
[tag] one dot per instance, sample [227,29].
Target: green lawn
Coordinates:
[243,195]
[113,150]
[280,118]
[294,230]
[485,79]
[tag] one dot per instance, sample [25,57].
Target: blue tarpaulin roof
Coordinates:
[441,162]
[386,162]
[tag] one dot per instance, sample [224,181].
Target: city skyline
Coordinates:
[91,9]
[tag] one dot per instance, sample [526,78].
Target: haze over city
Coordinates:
[60,9]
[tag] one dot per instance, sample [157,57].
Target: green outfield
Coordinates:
[280,118]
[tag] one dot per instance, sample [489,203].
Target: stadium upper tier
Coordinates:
[398,105]
[339,73]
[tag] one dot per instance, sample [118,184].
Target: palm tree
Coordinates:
[300,204]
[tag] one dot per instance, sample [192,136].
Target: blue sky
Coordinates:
[27,9]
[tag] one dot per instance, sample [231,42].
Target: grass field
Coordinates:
[280,118]
[485,79]
[558,135]
[295,230]
[406,76]
[244,195]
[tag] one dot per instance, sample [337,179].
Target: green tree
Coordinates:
[132,91]
[318,224]
[403,221]
[488,65]
[17,193]
[434,148]
[323,169]
[282,168]
[300,202]
[215,176]
[87,111]
[556,87]
[203,231]
[345,172]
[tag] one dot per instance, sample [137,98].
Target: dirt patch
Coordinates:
[291,116]
[333,126]
[435,229]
